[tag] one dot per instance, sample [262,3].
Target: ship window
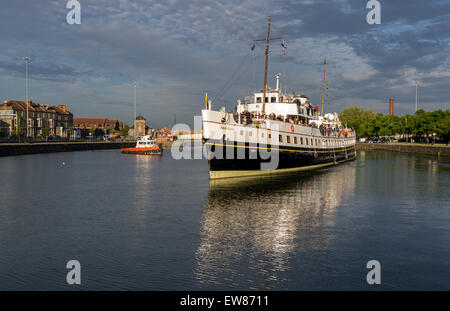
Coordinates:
[242,132]
[267,99]
[280,138]
[273,99]
[288,139]
[301,140]
[270,136]
[258,99]
[307,141]
[262,135]
[295,140]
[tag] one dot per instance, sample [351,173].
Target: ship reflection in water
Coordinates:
[262,226]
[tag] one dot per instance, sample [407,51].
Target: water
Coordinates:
[139,222]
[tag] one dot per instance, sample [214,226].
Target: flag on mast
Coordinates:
[284,47]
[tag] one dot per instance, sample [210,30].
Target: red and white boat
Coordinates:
[145,145]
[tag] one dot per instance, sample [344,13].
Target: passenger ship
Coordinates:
[273,132]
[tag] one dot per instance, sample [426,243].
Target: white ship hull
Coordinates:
[267,147]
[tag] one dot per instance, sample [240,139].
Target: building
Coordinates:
[43,120]
[140,126]
[163,135]
[191,135]
[97,123]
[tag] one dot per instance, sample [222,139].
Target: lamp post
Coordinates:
[134,84]
[417,84]
[27,59]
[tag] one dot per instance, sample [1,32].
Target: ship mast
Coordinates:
[267,39]
[324,75]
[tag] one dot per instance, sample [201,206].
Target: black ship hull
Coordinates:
[231,159]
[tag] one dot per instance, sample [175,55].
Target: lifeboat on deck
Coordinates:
[145,145]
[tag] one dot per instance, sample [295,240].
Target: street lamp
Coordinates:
[417,84]
[27,59]
[134,100]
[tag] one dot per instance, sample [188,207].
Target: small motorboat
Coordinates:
[145,145]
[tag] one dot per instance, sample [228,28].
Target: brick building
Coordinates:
[42,119]
[97,123]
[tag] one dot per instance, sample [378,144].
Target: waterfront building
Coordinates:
[43,120]
[164,134]
[190,135]
[97,123]
[140,126]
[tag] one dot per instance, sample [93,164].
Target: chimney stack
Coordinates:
[391,106]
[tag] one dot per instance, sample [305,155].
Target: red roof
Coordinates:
[21,106]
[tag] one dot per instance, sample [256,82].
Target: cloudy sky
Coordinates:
[177,50]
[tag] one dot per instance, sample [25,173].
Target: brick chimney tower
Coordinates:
[391,106]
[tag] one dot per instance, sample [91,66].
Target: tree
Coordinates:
[18,132]
[124,131]
[99,132]
[357,118]
[375,125]
[442,124]
[45,132]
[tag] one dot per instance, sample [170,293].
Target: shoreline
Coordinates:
[36,148]
[15,149]
[434,150]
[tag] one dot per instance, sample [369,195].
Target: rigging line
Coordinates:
[253,86]
[254,62]
[283,66]
[230,81]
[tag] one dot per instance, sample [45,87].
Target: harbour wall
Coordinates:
[435,150]
[28,148]
[33,148]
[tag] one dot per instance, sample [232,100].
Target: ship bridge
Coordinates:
[278,104]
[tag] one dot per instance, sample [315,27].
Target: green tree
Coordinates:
[99,132]
[375,125]
[441,125]
[357,118]
[45,132]
[18,132]
[423,123]
[124,131]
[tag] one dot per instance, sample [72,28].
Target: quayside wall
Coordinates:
[28,148]
[435,150]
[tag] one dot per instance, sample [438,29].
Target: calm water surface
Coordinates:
[139,222]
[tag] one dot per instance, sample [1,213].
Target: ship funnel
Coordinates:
[278,81]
